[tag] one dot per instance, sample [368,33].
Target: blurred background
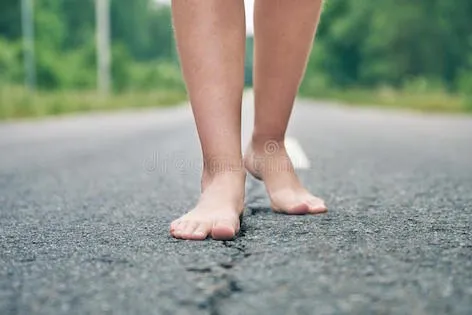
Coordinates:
[61,56]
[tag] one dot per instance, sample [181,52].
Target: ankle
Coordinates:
[222,167]
[267,157]
[262,144]
[262,137]
[229,177]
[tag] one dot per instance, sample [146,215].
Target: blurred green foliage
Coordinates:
[390,41]
[392,52]
[414,48]
[143,54]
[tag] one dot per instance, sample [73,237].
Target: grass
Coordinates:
[419,101]
[16,102]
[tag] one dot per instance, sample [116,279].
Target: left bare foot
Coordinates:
[269,162]
[218,210]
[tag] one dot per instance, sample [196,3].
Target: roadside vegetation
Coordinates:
[406,54]
[144,68]
[16,102]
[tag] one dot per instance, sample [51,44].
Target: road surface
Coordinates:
[86,201]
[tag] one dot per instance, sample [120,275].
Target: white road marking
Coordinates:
[296,154]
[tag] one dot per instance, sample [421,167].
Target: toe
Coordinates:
[223,230]
[187,233]
[201,231]
[289,202]
[177,233]
[299,209]
[317,206]
[174,225]
[292,208]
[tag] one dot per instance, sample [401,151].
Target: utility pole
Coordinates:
[102,12]
[27,27]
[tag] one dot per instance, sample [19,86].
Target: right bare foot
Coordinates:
[269,162]
[218,210]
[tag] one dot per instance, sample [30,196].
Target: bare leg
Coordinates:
[211,41]
[284,32]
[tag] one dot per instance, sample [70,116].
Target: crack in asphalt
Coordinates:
[222,276]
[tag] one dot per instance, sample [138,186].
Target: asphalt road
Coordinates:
[85,205]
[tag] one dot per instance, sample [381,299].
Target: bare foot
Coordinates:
[269,162]
[218,210]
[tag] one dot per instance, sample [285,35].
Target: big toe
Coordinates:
[299,209]
[224,230]
[290,205]
[316,205]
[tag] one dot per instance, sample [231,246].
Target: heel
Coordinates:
[254,176]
